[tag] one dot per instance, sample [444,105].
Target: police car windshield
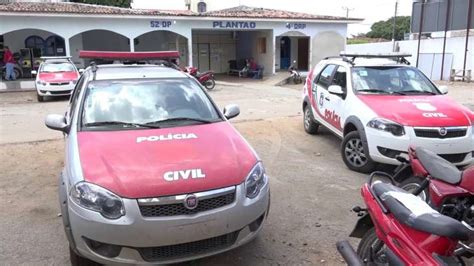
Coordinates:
[160,102]
[57,67]
[391,80]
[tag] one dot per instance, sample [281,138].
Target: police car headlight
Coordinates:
[387,125]
[255,181]
[43,83]
[98,199]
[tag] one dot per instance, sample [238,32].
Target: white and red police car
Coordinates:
[154,173]
[379,106]
[56,76]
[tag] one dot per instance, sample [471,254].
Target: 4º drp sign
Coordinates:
[160,23]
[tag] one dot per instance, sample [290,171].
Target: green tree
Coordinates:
[119,3]
[383,29]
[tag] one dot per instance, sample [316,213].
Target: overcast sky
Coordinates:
[370,10]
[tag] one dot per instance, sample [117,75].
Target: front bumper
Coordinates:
[139,237]
[55,90]
[384,147]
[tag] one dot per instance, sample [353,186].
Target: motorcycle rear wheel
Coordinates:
[210,84]
[371,249]
[411,184]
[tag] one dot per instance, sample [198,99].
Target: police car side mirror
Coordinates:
[34,72]
[81,70]
[231,111]
[335,89]
[56,122]
[443,89]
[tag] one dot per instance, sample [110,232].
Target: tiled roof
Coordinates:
[79,8]
[255,12]
[235,12]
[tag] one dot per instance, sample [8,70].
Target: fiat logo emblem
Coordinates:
[443,131]
[190,202]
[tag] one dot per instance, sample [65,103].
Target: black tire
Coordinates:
[210,84]
[40,98]
[17,73]
[77,260]
[310,126]
[412,183]
[355,155]
[370,245]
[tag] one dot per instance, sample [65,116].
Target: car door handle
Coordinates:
[327,99]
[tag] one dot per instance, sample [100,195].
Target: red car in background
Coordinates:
[56,76]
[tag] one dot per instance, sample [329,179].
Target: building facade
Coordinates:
[214,40]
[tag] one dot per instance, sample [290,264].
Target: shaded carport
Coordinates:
[28,45]
[96,40]
[163,40]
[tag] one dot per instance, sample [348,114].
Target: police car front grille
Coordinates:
[434,133]
[207,204]
[454,158]
[153,254]
[58,83]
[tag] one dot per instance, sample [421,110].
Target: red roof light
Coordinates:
[129,55]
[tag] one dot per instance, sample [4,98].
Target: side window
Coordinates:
[340,78]
[74,97]
[324,78]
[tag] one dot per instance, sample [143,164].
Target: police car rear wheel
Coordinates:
[310,126]
[355,155]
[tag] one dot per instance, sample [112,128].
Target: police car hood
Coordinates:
[419,110]
[168,161]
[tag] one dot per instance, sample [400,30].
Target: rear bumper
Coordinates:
[384,147]
[220,229]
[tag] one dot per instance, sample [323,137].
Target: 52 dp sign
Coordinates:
[160,23]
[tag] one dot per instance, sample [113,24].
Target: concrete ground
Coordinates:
[312,190]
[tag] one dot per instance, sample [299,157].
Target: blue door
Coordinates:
[285,53]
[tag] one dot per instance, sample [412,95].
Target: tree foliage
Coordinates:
[383,29]
[119,3]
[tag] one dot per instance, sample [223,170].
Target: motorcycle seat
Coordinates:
[412,211]
[198,75]
[437,167]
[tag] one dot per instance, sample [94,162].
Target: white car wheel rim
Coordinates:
[354,152]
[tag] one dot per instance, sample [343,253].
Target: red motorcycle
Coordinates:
[399,228]
[206,78]
[438,182]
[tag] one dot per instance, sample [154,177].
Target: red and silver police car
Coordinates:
[380,105]
[56,76]
[154,173]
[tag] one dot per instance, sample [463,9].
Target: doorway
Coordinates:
[303,53]
[285,53]
[204,58]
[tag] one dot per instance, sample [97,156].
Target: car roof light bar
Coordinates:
[55,57]
[398,57]
[129,56]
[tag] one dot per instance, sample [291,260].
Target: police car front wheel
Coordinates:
[355,155]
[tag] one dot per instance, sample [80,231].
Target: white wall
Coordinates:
[454,45]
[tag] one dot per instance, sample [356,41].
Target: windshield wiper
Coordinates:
[381,91]
[173,119]
[420,92]
[107,123]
